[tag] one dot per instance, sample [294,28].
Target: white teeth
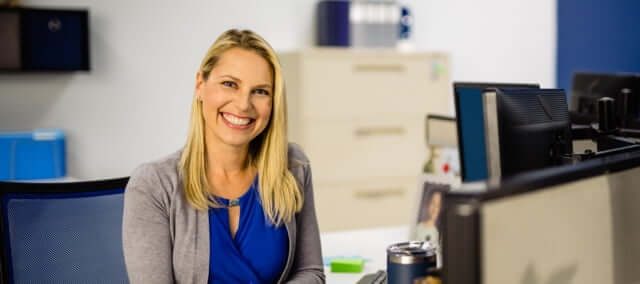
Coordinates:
[236,120]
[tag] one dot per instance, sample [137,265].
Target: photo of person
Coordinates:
[428,223]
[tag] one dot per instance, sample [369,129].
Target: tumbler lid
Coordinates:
[411,252]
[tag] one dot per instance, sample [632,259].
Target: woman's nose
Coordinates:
[243,100]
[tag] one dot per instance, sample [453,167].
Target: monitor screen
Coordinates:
[470,125]
[587,88]
[525,129]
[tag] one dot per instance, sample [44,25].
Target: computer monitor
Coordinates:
[587,88]
[470,126]
[570,224]
[525,129]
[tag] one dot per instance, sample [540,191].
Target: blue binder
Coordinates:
[333,23]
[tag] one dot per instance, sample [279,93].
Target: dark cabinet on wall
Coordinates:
[43,40]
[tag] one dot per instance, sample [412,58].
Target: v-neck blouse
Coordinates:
[259,250]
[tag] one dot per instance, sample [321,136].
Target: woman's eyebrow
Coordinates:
[266,86]
[231,77]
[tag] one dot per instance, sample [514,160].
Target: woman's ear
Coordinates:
[199,81]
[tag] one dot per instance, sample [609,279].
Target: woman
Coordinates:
[427,228]
[235,205]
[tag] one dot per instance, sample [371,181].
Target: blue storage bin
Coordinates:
[38,154]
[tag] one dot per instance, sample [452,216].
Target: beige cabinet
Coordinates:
[360,117]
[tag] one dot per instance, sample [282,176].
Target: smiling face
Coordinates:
[236,98]
[434,205]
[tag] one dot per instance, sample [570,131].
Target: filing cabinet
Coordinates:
[360,117]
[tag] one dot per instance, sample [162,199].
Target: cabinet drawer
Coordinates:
[365,148]
[368,85]
[368,204]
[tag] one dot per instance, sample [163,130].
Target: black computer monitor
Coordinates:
[525,129]
[587,88]
[470,126]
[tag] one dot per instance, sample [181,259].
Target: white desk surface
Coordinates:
[370,244]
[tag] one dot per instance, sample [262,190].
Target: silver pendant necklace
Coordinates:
[234,202]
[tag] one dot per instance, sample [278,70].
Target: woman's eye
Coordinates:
[229,84]
[261,92]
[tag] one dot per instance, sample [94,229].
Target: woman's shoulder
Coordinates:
[158,174]
[297,157]
[167,165]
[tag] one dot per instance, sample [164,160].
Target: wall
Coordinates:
[134,104]
[492,40]
[597,36]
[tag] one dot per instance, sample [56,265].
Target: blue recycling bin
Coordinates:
[32,155]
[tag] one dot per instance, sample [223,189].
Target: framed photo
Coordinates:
[440,171]
[426,225]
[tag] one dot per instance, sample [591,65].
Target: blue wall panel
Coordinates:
[597,36]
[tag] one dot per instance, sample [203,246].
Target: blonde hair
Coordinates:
[280,195]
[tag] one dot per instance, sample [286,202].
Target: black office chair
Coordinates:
[62,232]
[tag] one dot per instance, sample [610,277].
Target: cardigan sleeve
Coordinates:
[307,263]
[146,234]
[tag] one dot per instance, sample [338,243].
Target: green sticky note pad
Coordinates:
[348,265]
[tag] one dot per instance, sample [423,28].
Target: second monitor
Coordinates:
[588,87]
[470,125]
[525,129]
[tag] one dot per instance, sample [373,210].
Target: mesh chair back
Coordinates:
[69,235]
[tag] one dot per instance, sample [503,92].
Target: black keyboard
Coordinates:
[380,277]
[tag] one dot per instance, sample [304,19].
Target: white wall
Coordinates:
[492,40]
[133,105]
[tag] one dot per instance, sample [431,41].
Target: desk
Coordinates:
[370,244]
[49,180]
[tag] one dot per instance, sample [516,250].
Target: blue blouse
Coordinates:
[257,254]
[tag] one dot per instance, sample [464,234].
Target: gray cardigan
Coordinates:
[165,240]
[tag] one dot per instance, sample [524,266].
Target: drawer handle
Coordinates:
[386,68]
[378,193]
[370,131]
